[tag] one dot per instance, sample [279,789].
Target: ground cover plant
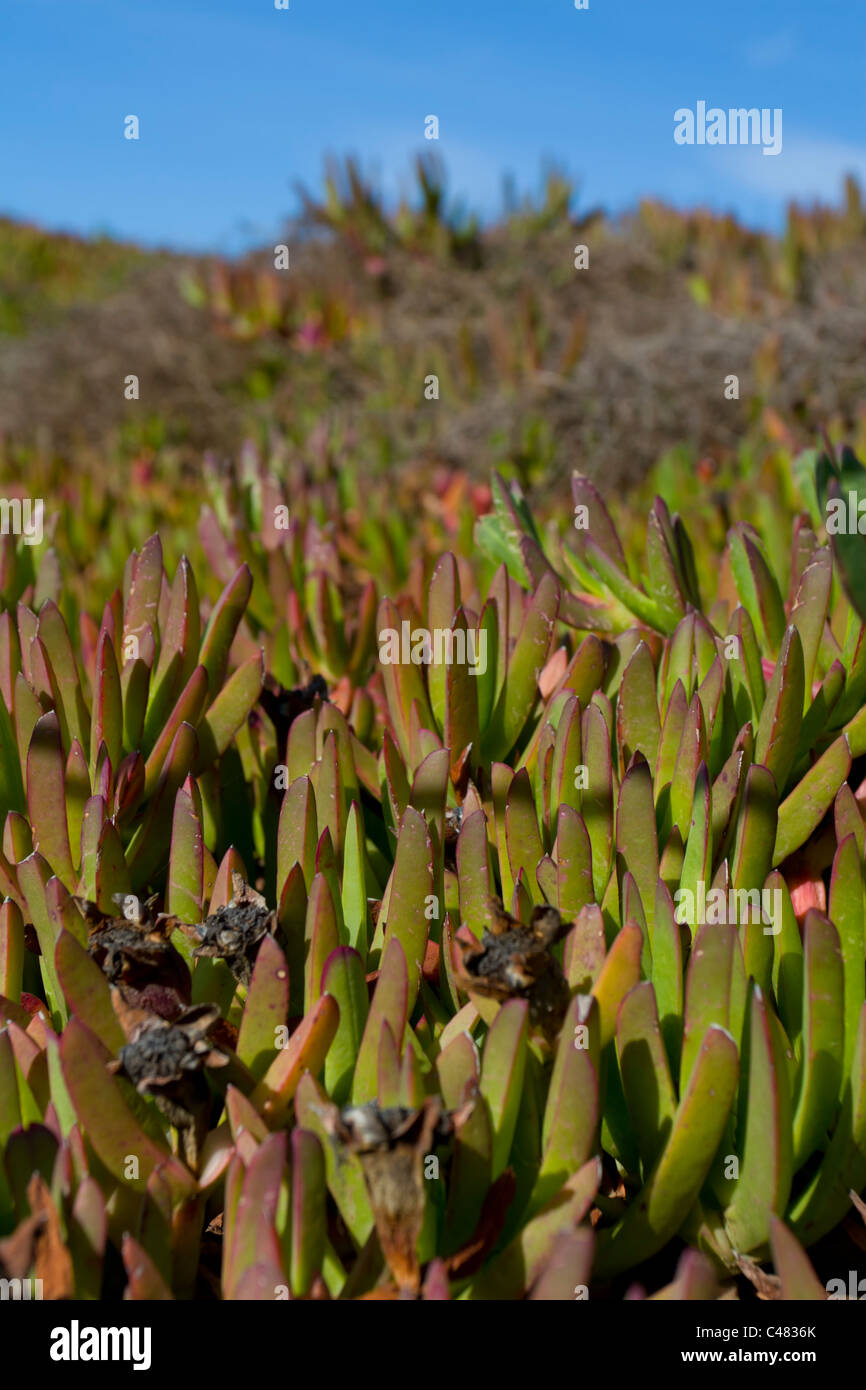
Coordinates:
[451,906]
[547,355]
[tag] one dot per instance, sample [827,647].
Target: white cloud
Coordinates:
[772,51]
[806,168]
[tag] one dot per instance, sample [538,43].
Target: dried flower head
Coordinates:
[235,932]
[167,1061]
[391,1144]
[515,961]
[136,956]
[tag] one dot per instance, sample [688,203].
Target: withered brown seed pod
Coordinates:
[235,932]
[391,1145]
[167,1060]
[137,958]
[515,961]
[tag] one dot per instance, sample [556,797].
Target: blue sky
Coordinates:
[238,101]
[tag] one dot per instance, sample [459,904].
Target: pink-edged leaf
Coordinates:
[145,584]
[143,1279]
[389,1004]
[189,706]
[86,991]
[251,1234]
[46,797]
[266,1009]
[112,875]
[307,1050]
[222,627]
[298,832]
[229,709]
[409,888]
[309,1214]
[148,849]
[186,861]
[343,979]
[473,873]
[322,934]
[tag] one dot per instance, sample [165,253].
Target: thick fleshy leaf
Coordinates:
[695,1280]
[825,1200]
[266,1009]
[692,752]
[807,804]
[679,1174]
[847,911]
[11,949]
[619,974]
[184,899]
[638,725]
[228,710]
[788,964]
[778,731]
[309,1218]
[112,875]
[597,801]
[222,627]
[473,872]
[107,726]
[756,830]
[708,990]
[354,885]
[178,654]
[810,612]
[666,582]
[573,853]
[409,892]
[404,684]
[503,1065]
[764,1132]
[345,1177]
[470,1177]
[461,726]
[306,1051]
[522,837]
[522,1262]
[646,1080]
[824,1018]
[520,691]
[87,1233]
[799,1280]
[572,1111]
[298,832]
[86,991]
[33,876]
[566,1273]
[143,1279]
[187,710]
[250,1232]
[149,846]
[756,586]
[343,979]
[322,936]
[389,1005]
[584,952]
[145,583]
[46,797]
[636,839]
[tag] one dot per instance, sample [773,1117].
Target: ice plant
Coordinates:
[329,976]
